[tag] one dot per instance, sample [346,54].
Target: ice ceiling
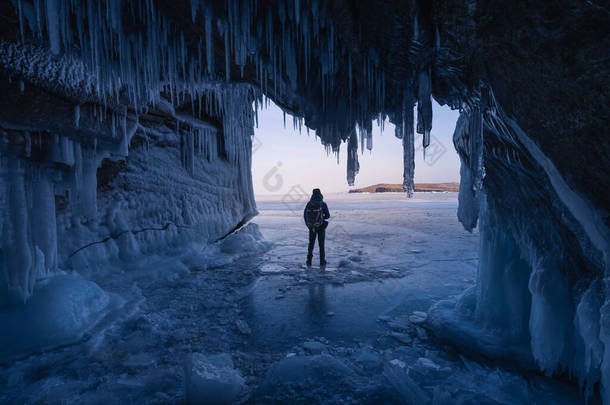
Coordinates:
[89,84]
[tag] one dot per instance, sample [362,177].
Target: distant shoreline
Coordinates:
[397,188]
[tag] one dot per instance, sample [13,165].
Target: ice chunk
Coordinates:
[314,347]
[398,363]
[296,369]
[212,379]
[243,327]
[368,358]
[427,363]
[60,311]
[401,337]
[418,317]
[399,378]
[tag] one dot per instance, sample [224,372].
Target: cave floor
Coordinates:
[350,334]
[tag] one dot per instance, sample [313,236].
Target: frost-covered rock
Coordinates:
[212,379]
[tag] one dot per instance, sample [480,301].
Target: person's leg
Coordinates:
[312,240]
[321,236]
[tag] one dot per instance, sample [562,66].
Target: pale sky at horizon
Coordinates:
[283,158]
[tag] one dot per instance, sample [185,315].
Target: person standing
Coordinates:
[316,214]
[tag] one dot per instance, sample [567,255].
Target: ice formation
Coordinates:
[127,125]
[526,292]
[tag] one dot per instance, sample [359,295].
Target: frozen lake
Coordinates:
[284,333]
[387,256]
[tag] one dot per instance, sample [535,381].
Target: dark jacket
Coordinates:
[317,200]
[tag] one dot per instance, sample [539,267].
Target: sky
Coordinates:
[283,158]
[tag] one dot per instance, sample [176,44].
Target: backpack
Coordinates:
[314,216]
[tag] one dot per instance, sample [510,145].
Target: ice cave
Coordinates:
[138,267]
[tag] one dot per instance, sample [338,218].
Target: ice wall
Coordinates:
[77,174]
[532,292]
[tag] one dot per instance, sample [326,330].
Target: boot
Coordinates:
[322,262]
[308,261]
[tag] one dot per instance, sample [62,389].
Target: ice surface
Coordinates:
[176,306]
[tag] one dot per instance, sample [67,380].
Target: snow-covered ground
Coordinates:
[246,320]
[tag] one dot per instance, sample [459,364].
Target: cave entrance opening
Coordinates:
[388,255]
[289,158]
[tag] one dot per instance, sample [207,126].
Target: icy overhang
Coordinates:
[338,64]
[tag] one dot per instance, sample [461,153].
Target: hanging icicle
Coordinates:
[424,107]
[352,158]
[475,132]
[408,146]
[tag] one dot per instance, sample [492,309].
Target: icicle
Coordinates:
[424,108]
[52,11]
[475,131]
[369,135]
[76,116]
[194,7]
[20,11]
[43,224]
[352,158]
[227,55]
[209,43]
[408,147]
[17,256]
[349,73]
[86,188]
[28,144]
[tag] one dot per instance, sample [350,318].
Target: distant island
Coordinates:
[397,188]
